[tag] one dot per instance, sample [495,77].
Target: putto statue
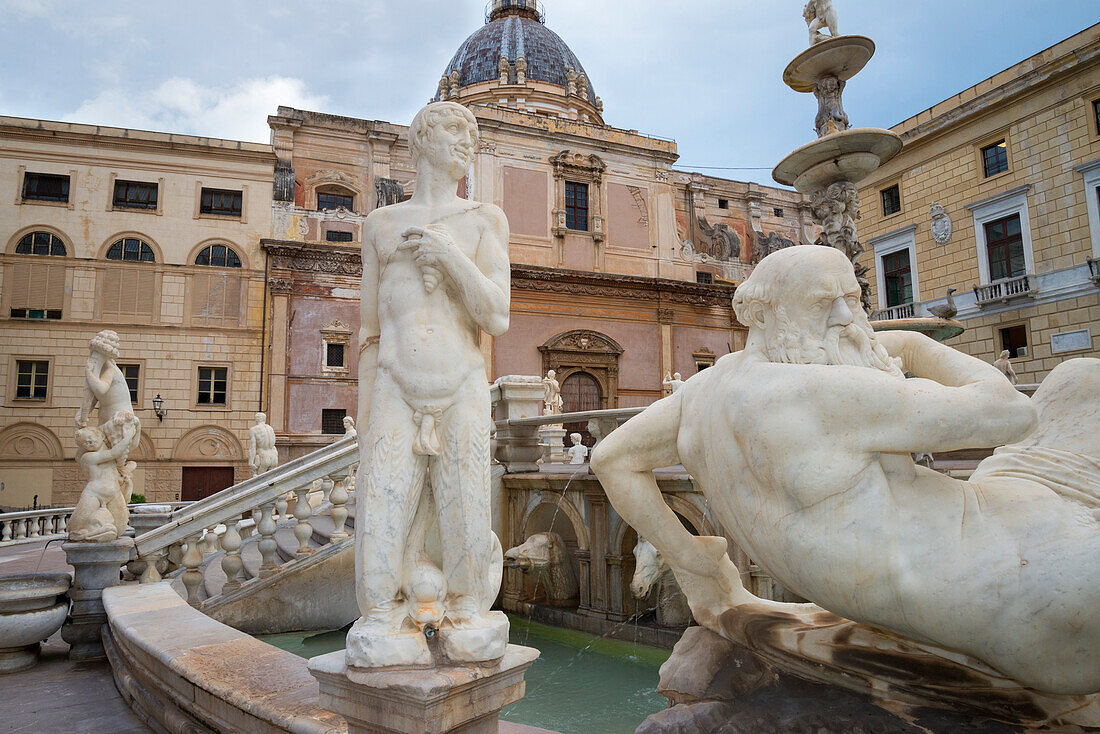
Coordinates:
[101,513]
[672,383]
[262,454]
[831,117]
[820,14]
[551,394]
[578,452]
[814,479]
[435,271]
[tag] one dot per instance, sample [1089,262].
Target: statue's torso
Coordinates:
[429,342]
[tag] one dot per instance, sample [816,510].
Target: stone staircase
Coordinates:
[271,554]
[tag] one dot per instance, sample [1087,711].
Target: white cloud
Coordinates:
[182,105]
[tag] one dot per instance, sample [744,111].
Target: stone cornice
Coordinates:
[313,258]
[576,282]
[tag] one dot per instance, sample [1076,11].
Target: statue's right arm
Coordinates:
[954,401]
[369,328]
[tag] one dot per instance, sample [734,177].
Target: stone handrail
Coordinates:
[904,311]
[43,523]
[1003,290]
[220,521]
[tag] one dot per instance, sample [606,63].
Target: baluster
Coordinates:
[326,488]
[5,531]
[192,576]
[62,526]
[303,531]
[151,574]
[232,563]
[32,523]
[339,498]
[20,529]
[280,507]
[266,529]
[175,556]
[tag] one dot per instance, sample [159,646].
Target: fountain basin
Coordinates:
[849,155]
[32,607]
[938,329]
[841,57]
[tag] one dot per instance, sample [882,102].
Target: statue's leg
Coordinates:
[391,480]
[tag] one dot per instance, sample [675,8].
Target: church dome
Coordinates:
[516,29]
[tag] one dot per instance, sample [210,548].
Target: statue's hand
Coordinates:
[81,421]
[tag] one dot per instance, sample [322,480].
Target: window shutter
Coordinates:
[109,288]
[20,285]
[127,292]
[55,287]
[216,299]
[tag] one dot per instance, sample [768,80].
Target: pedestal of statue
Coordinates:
[447,699]
[553,439]
[96,566]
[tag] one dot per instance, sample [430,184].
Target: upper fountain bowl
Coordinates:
[842,57]
[850,155]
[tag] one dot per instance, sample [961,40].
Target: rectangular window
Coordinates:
[45,187]
[338,236]
[135,195]
[777,212]
[723,203]
[1005,247]
[1014,339]
[891,200]
[1096,115]
[132,373]
[213,382]
[995,158]
[704,278]
[32,379]
[897,273]
[37,290]
[332,421]
[334,201]
[334,354]
[221,202]
[576,206]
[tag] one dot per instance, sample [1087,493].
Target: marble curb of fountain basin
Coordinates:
[176,668]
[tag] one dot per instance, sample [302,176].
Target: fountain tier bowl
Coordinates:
[935,328]
[842,57]
[32,607]
[850,155]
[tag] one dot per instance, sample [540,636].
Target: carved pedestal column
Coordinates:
[96,566]
[514,398]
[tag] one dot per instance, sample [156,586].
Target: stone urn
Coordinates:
[32,607]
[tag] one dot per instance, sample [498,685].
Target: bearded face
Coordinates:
[809,340]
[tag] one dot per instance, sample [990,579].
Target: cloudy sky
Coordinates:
[705,72]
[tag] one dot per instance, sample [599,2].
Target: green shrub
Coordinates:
[137,499]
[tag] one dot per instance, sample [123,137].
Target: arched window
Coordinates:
[218,256]
[333,197]
[131,249]
[41,243]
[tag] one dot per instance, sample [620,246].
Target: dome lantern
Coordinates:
[533,9]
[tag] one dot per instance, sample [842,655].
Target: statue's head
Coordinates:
[349,423]
[105,343]
[575,438]
[804,302]
[445,135]
[1006,355]
[261,418]
[89,439]
[677,376]
[551,374]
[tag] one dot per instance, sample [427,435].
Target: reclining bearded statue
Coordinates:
[802,444]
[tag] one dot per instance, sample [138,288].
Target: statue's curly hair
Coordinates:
[106,342]
[431,116]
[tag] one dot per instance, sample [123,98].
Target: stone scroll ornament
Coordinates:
[976,597]
[435,271]
[101,514]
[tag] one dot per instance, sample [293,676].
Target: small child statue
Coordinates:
[578,452]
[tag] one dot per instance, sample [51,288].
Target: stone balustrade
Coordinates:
[43,524]
[293,494]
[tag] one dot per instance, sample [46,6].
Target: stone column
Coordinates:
[277,372]
[598,539]
[517,397]
[96,566]
[444,700]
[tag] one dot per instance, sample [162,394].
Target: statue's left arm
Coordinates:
[483,283]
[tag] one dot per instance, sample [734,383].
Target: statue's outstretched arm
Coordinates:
[954,402]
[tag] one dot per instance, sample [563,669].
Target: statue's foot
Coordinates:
[382,641]
[474,638]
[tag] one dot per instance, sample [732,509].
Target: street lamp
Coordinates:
[158,407]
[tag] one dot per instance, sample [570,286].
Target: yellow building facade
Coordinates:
[996,195]
[157,237]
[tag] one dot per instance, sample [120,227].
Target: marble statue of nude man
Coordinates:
[262,454]
[820,14]
[435,273]
[802,444]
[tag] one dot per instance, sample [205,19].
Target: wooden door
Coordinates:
[200,482]
[580,392]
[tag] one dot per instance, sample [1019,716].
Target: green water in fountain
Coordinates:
[579,685]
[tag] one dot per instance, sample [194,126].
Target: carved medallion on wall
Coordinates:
[29,441]
[208,443]
[941,224]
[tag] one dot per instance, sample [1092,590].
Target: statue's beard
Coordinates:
[853,345]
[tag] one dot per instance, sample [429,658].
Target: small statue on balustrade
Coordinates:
[262,454]
[578,452]
[1004,364]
